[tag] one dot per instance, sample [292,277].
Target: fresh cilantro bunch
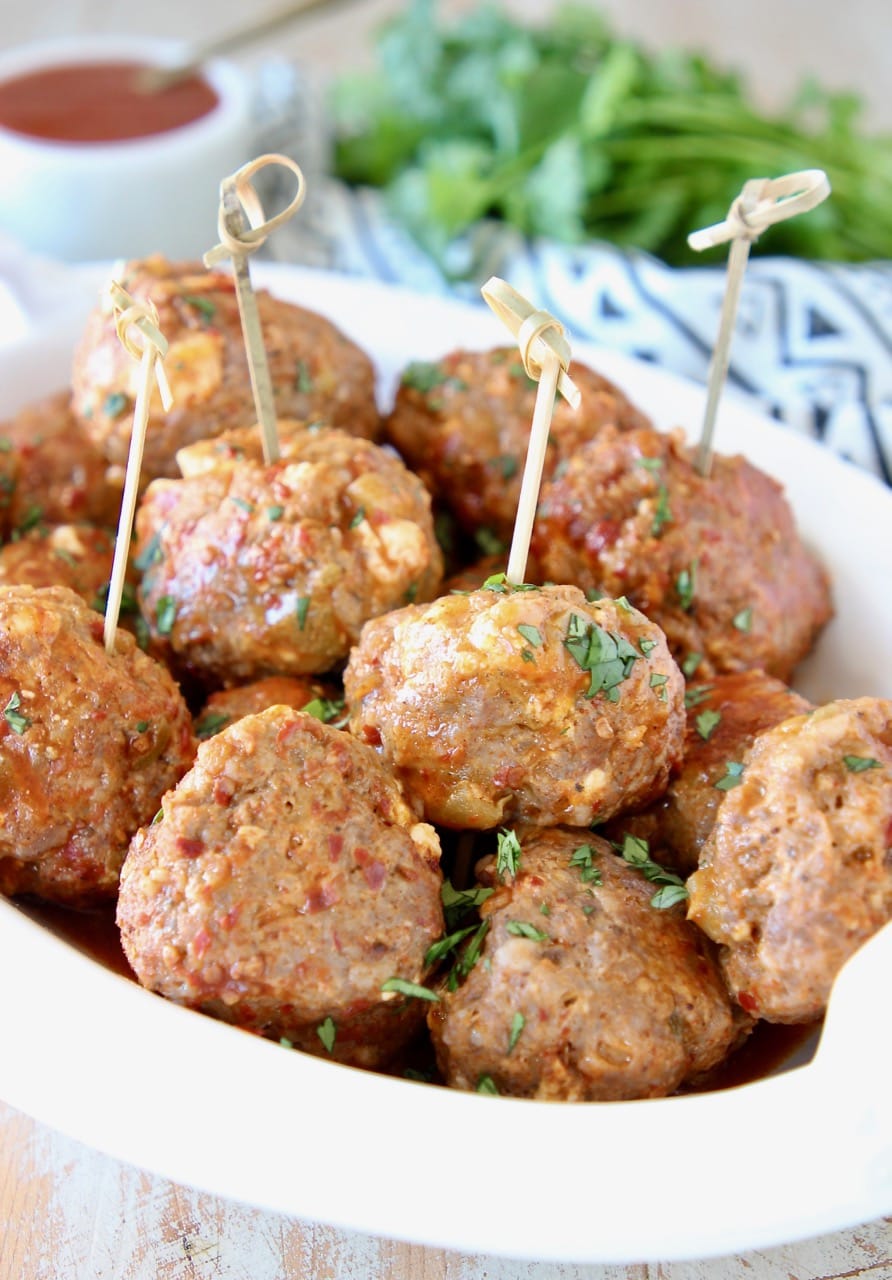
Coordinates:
[568,132]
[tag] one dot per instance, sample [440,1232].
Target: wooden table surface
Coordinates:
[70,1212]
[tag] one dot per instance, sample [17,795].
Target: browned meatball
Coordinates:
[228,705]
[464,423]
[715,561]
[583,989]
[51,472]
[253,570]
[284,885]
[530,704]
[78,556]
[91,741]
[316,371]
[797,872]
[724,717]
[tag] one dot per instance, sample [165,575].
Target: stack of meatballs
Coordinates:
[349,789]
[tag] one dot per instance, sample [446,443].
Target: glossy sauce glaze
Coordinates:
[766,1051]
[99,102]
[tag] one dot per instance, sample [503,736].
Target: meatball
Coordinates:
[51,472]
[715,561]
[724,717]
[285,884]
[78,556]
[464,423]
[583,990]
[528,704]
[315,370]
[797,872]
[228,705]
[91,741]
[253,570]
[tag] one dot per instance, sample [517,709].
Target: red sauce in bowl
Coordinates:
[98,102]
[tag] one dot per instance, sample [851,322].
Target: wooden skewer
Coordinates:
[243,228]
[137,329]
[761,203]
[545,353]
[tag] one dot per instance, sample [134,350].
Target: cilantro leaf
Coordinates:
[508,854]
[412,989]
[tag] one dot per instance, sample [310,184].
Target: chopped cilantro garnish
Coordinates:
[458,902]
[533,634]
[204,305]
[609,658]
[303,379]
[486,1084]
[647,646]
[743,621]
[165,615]
[469,956]
[141,726]
[115,404]
[325,709]
[527,655]
[414,989]
[438,951]
[210,723]
[150,554]
[858,764]
[302,609]
[686,586]
[506,464]
[545,909]
[518,1022]
[733,776]
[523,929]
[488,542]
[508,854]
[650,464]
[13,717]
[327,1031]
[423,376]
[662,515]
[636,852]
[696,694]
[583,858]
[411,592]
[358,517]
[30,520]
[247,507]
[275,512]
[691,663]
[658,681]
[706,722]
[5,444]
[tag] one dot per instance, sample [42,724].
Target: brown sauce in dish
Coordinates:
[98,102]
[764,1052]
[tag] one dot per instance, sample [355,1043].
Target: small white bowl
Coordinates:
[81,201]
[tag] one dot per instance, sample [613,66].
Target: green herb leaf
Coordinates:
[412,989]
[438,951]
[468,956]
[583,857]
[303,379]
[325,709]
[301,610]
[275,512]
[858,764]
[523,929]
[696,694]
[532,634]
[707,722]
[13,717]
[647,646]
[423,376]
[743,621]
[691,663]
[518,1022]
[151,553]
[636,852]
[658,681]
[686,586]
[506,464]
[115,404]
[358,517]
[165,615]
[733,776]
[458,902]
[508,854]
[668,895]
[327,1032]
[206,306]
[210,723]
[662,515]
[486,1084]
[609,658]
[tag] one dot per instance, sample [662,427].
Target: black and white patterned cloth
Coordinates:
[813,341]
